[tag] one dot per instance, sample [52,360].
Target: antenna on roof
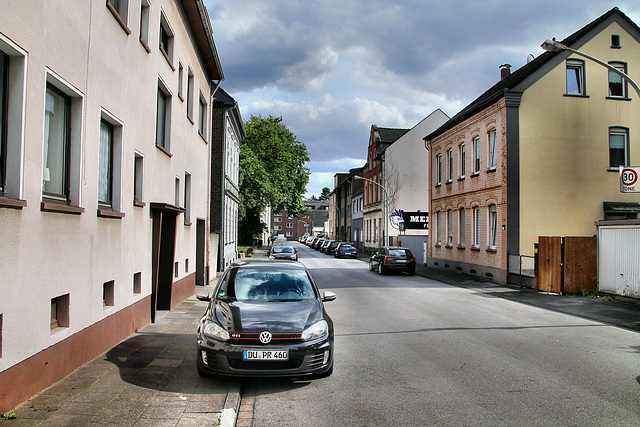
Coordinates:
[530,58]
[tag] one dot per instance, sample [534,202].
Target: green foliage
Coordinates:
[272,172]
[8,416]
[326,192]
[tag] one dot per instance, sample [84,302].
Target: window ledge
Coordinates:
[180,97]
[492,250]
[61,208]
[575,95]
[475,249]
[6,202]
[139,204]
[116,15]
[618,98]
[204,138]
[190,119]
[475,174]
[461,247]
[438,245]
[166,56]
[490,170]
[438,185]
[616,170]
[164,150]
[187,223]
[145,45]
[448,246]
[461,179]
[448,182]
[108,213]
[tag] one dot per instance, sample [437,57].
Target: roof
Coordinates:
[198,18]
[510,82]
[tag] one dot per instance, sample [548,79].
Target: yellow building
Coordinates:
[538,154]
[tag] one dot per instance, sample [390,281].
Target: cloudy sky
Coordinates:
[332,68]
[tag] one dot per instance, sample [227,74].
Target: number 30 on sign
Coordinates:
[629,179]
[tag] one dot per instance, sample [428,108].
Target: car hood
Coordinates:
[282,316]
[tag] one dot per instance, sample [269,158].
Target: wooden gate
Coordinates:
[566,264]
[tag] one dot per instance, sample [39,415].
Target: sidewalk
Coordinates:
[150,379]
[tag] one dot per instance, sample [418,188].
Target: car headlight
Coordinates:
[214,331]
[315,331]
[271,257]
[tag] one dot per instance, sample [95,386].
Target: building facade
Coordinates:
[538,154]
[104,195]
[311,222]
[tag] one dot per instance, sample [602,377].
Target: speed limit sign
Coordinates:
[629,179]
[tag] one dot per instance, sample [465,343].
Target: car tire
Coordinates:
[412,272]
[380,268]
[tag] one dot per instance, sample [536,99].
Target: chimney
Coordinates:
[505,70]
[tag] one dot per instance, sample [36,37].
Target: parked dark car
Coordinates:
[265,319]
[283,251]
[345,249]
[393,258]
[317,245]
[331,249]
[325,245]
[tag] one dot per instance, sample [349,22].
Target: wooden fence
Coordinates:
[566,265]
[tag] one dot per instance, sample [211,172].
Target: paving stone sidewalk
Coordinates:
[150,379]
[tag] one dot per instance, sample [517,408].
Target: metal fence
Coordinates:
[521,270]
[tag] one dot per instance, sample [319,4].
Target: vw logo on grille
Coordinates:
[265,337]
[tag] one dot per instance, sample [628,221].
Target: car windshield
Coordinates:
[399,252]
[254,284]
[346,245]
[282,249]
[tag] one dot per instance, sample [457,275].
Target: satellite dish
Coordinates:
[530,58]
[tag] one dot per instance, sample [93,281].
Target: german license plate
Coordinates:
[265,355]
[402,260]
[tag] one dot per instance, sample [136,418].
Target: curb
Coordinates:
[231,406]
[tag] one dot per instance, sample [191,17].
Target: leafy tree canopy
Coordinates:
[326,191]
[272,171]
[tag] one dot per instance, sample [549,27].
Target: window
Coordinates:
[180,80]
[59,312]
[277,227]
[277,219]
[57,144]
[105,166]
[108,292]
[617,84]
[176,192]
[144,24]
[202,116]
[289,234]
[463,157]
[438,169]
[289,225]
[438,228]
[120,11]
[449,227]
[187,198]
[138,174]
[166,40]
[615,41]
[575,77]
[190,94]
[476,227]
[450,166]
[163,119]
[493,226]
[12,78]
[492,149]
[137,283]
[476,155]
[461,227]
[618,147]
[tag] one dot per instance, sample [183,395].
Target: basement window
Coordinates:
[108,289]
[59,312]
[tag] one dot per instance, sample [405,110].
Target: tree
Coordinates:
[272,172]
[326,191]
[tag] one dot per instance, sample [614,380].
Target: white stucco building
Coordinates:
[105,164]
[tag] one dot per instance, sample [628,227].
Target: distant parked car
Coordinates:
[393,258]
[345,249]
[325,245]
[318,244]
[331,249]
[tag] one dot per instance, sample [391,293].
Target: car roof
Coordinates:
[268,264]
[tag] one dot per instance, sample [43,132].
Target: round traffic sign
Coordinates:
[629,176]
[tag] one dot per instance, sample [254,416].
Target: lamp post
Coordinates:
[555,46]
[385,213]
[304,221]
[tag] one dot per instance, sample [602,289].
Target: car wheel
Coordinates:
[380,268]
[412,272]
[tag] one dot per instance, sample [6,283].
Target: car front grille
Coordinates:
[315,360]
[253,338]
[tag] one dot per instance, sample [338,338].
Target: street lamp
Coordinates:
[304,221]
[555,46]
[385,213]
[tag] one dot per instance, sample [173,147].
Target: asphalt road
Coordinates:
[412,351]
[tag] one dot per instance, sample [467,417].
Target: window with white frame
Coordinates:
[493,158]
[461,227]
[176,191]
[277,219]
[289,234]
[618,147]
[277,227]
[120,11]
[163,118]
[439,169]
[438,228]
[289,225]
[575,77]
[202,116]
[144,24]
[450,166]
[187,198]
[166,39]
[617,84]
[190,89]
[180,80]
[463,158]
[476,227]
[449,227]
[493,226]
[476,155]
[109,162]
[138,179]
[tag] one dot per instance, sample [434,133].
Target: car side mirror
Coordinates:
[328,296]
[203,296]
